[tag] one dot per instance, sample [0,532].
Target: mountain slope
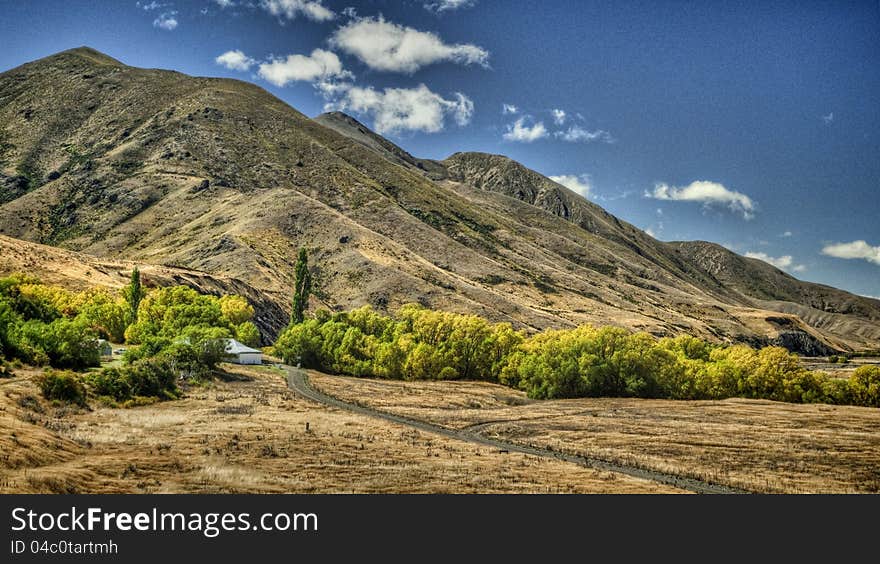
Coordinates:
[219,176]
[77,271]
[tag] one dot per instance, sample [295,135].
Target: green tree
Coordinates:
[106,314]
[864,386]
[134,293]
[248,334]
[236,309]
[302,287]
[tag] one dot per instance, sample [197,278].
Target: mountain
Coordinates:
[218,176]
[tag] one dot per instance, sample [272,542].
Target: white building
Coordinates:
[105,349]
[238,353]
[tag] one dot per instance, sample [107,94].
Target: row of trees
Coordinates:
[418,343]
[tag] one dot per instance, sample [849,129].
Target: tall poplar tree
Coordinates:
[133,294]
[302,287]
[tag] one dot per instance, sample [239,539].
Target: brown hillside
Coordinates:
[218,176]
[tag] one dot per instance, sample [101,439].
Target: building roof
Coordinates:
[235,347]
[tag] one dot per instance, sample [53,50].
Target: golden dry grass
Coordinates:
[248,434]
[757,445]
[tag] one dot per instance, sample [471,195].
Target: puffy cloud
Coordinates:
[321,66]
[580,184]
[440,6]
[290,9]
[235,60]
[854,250]
[407,109]
[786,234]
[509,109]
[519,131]
[166,21]
[225,3]
[785,262]
[558,116]
[577,134]
[709,193]
[386,46]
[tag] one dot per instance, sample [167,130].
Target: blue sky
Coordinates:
[754,125]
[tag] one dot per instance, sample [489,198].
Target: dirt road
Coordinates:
[298,381]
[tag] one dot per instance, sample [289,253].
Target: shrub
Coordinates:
[5,369]
[152,378]
[62,386]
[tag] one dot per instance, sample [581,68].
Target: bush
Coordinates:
[150,378]
[62,386]
[5,369]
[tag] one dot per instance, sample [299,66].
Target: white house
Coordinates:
[238,353]
[105,349]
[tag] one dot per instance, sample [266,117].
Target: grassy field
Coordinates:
[758,445]
[247,433]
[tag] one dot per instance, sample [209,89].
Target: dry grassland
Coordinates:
[247,434]
[757,445]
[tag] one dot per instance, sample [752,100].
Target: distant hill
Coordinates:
[219,176]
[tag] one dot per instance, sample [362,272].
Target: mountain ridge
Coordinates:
[218,175]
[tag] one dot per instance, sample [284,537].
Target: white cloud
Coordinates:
[580,184]
[150,6]
[508,109]
[440,6]
[290,9]
[828,119]
[225,3]
[387,46]
[519,131]
[166,21]
[650,232]
[558,116]
[407,109]
[321,66]
[786,234]
[576,133]
[235,60]
[709,193]
[785,262]
[854,250]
